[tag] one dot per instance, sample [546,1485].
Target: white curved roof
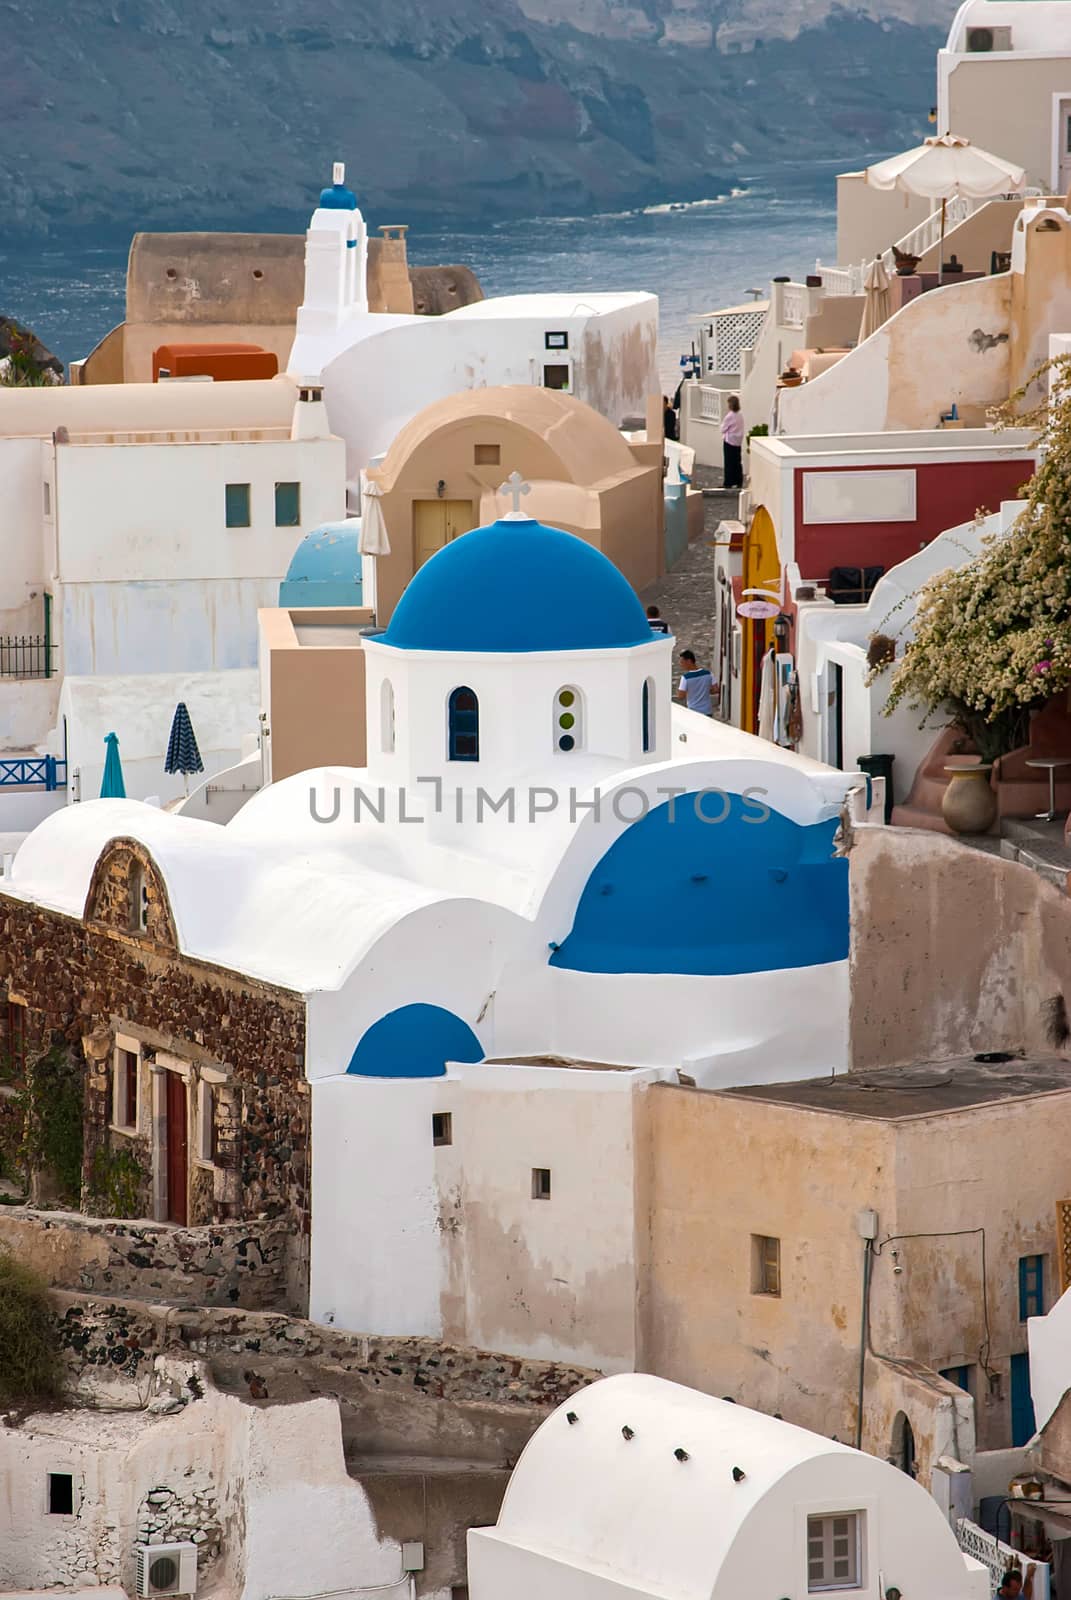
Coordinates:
[629,1507]
[646,1523]
[1035,24]
[280,896]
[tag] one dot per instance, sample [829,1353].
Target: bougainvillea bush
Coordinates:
[993,638]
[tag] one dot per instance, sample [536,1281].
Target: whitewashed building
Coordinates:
[638,1489]
[148,525]
[379,369]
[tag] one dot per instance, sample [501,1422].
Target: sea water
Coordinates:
[695,256]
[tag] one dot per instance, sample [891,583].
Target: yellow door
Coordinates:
[435,523]
[762,570]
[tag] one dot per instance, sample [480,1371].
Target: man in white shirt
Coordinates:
[697,687]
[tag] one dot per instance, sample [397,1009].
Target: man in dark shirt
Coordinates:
[1013,1587]
[657,621]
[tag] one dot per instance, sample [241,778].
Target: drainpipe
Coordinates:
[867,1224]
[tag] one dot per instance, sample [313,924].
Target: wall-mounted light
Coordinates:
[627,1433]
[440,487]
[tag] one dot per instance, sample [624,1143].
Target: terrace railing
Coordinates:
[33,772]
[26,656]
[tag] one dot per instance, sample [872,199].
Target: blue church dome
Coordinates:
[325,569]
[338,198]
[514,587]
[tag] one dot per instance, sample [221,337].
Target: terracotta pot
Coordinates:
[969,804]
[907,266]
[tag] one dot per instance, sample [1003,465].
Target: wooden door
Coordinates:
[435,523]
[177,1149]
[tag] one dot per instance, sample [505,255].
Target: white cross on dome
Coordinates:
[516,487]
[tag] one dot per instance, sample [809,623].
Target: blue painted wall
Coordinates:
[414,1042]
[690,896]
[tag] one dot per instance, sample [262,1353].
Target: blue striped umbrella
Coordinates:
[182,752]
[112,786]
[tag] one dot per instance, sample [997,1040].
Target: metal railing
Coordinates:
[33,772]
[29,656]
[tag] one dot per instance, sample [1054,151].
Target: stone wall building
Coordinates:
[195,1105]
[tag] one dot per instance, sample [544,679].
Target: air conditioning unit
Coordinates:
[980,41]
[166,1568]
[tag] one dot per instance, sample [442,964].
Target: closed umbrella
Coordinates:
[877,307]
[112,786]
[182,752]
[944,167]
[373,540]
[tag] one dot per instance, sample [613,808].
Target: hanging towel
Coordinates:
[795,711]
[768,697]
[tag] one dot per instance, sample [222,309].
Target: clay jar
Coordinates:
[969,804]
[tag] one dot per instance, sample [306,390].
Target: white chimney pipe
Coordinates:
[339,172]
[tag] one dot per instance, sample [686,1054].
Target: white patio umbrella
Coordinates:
[877,308]
[373,540]
[943,168]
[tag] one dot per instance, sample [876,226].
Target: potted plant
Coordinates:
[992,638]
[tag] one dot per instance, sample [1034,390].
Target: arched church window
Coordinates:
[386,717]
[568,719]
[463,724]
[648,715]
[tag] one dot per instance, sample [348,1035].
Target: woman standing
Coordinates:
[732,438]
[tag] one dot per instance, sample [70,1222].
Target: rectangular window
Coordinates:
[556,377]
[488,455]
[125,1088]
[48,497]
[540,1183]
[287,505]
[1031,1287]
[60,1494]
[238,505]
[557,341]
[960,1376]
[765,1265]
[833,1551]
[442,1127]
[206,1122]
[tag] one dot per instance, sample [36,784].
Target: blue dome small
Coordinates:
[514,587]
[325,569]
[338,198]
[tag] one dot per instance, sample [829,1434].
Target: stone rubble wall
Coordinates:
[228,1264]
[119,1338]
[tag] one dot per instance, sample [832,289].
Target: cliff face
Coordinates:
[195,113]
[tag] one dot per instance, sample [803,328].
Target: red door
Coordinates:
[177,1154]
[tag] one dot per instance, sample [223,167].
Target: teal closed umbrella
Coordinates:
[112,786]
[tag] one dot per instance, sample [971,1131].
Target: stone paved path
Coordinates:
[686,595]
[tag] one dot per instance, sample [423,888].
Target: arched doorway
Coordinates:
[761,570]
[903,1446]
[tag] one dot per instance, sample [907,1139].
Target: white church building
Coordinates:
[548,889]
[379,369]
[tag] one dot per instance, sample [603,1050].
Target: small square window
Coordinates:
[60,1494]
[238,505]
[833,1552]
[488,455]
[557,341]
[962,1377]
[287,505]
[765,1265]
[556,377]
[540,1183]
[442,1127]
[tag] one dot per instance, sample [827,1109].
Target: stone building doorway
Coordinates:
[176,1134]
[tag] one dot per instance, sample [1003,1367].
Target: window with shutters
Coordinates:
[1031,1287]
[834,1552]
